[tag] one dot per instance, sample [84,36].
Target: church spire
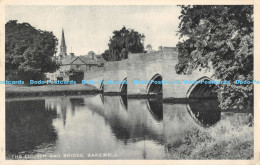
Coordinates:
[63,47]
[63,39]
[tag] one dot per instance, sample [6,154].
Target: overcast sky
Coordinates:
[88,28]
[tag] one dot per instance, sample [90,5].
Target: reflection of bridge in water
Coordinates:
[142,120]
[52,122]
[138,119]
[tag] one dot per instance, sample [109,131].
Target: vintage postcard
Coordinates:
[129,82]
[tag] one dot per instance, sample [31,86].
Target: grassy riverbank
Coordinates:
[48,90]
[231,138]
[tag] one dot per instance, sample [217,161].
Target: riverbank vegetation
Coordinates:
[231,138]
[220,38]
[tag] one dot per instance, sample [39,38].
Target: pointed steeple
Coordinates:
[63,39]
[63,47]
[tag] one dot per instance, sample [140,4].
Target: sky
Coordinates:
[88,28]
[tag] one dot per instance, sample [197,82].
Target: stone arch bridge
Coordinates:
[155,66]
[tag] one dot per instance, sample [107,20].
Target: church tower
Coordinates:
[63,47]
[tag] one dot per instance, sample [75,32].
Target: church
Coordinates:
[74,67]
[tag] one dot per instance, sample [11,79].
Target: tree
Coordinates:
[91,54]
[106,55]
[122,42]
[221,38]
[29,50]
[149,47]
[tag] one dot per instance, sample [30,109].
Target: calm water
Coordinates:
[114,127]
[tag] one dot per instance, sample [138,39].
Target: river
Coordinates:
[114,127]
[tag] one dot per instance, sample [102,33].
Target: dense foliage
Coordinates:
[106,55]
[121,43]
[219,37]
[28,51]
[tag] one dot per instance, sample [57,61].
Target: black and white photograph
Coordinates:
[129,82]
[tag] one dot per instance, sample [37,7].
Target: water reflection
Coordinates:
[205,113]
[123,101]
[155,107]
[29,126]
[130,128]
[134,123]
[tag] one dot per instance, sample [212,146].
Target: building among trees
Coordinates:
[74,67]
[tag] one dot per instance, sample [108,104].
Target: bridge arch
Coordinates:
[199,91]
[123,86]
[153,88]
